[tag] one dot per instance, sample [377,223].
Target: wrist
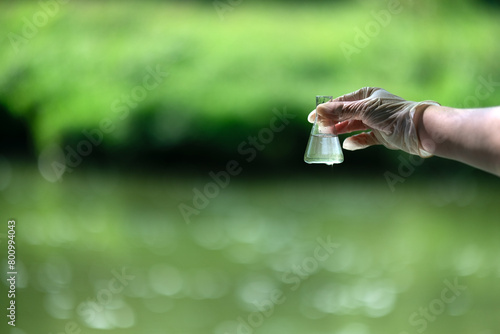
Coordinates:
[424,118]
[435,128]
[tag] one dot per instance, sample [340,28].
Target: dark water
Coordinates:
[107,252]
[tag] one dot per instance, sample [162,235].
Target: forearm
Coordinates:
[471,136]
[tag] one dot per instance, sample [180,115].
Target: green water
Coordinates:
[110,252]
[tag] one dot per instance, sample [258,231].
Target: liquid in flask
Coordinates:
[323,146]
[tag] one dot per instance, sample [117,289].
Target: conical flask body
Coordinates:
[323,146]
[323,149]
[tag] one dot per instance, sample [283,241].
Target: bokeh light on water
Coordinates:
[221,272]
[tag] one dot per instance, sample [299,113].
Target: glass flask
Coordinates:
[323,146]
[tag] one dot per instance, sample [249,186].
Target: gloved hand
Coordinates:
[389,117]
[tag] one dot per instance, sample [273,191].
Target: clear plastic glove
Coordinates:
[389,117]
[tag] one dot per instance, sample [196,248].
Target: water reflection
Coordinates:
[55,274]
[210,234]
[468,260]
[253,290]
[119,314]
[165,279]
[354,328]
[60,305]
[203,277]
[159,304]
[456,190]
[208,284]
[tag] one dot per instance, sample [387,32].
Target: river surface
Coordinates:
[117,252]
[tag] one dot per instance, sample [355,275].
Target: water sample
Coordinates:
[324,145]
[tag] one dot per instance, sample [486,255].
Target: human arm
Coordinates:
[422,128]
[471,136]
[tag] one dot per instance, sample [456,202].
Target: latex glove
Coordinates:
[389,117]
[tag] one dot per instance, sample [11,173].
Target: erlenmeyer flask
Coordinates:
[324,145]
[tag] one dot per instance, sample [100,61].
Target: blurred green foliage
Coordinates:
[228,69]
